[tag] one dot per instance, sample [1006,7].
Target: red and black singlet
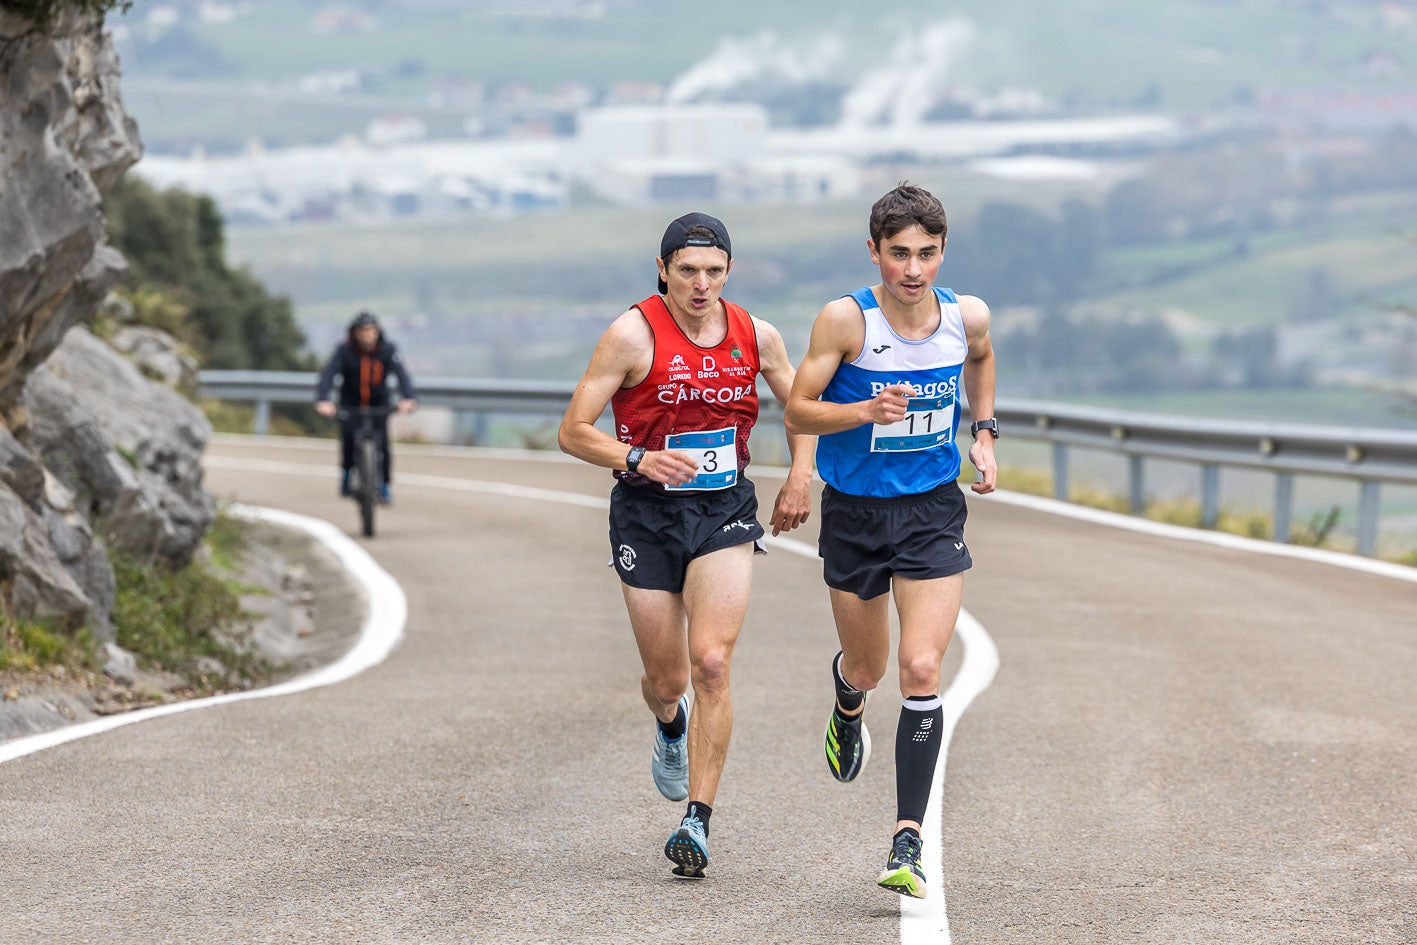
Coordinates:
[691,389]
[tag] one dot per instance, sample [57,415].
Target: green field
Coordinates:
[1169,55]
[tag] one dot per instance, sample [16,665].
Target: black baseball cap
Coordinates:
[676,237]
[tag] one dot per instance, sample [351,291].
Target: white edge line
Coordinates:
[921,920]
[380,633]
[1339,559]
[926,920]
[1133,523]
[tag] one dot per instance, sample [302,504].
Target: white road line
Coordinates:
[927,920]
[921,920]
[1337,559]
[382,629]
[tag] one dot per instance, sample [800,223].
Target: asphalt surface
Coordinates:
[1182,744]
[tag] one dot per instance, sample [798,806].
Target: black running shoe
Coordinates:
[902,873]
[848,744]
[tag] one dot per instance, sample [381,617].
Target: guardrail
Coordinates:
[1368,457]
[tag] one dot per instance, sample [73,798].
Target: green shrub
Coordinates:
[42,11]
[28,646]
[177,619]
[227,540]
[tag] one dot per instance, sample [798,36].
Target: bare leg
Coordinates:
[657,618]
[863,627]
[716,590]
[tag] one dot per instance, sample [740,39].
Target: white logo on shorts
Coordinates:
[959,546]
[627,557]
[738,524]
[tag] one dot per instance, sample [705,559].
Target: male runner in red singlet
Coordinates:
[680,371]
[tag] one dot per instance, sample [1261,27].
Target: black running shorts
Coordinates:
[865,540]
[654,535]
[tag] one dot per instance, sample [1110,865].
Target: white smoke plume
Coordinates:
[737,60]
[901,88]
[898,88]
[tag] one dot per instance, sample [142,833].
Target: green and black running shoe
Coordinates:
[902,873]
[848,744]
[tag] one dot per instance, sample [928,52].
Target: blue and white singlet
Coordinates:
[918,453]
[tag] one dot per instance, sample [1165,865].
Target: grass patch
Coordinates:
[1315,532]
[28,646]
[188,620]
[230,417]
[227,540]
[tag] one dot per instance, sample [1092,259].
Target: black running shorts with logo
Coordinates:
[865,540]
[654,534]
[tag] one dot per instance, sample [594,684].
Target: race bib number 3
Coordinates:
[929,422]
[716,452]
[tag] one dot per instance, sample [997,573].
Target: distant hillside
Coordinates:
[218,74]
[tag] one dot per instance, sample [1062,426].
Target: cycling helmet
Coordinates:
[364,318]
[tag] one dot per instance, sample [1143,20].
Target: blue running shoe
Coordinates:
[687,848]
[385,496]
[344,485]
[670,762]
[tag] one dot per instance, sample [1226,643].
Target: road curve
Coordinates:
[1183,743]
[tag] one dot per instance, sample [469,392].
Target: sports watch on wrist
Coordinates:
[632,460]
[991,425]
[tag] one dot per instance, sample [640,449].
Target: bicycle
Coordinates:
[367,474]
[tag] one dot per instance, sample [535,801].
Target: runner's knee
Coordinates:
[667,687]
[920,675]
[710,669]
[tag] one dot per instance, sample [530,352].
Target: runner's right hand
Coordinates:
[669,467]
[889,405]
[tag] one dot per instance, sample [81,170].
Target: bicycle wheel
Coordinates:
[368,493]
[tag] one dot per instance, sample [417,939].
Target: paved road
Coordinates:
[1183,744]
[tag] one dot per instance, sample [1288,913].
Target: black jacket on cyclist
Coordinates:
[364,375]
[364,382]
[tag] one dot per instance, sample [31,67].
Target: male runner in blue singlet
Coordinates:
[880,384]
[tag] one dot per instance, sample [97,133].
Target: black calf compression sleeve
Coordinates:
[917,747]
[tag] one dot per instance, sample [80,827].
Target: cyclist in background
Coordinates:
[363,362]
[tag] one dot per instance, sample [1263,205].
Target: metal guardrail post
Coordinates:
[1368,517]
[1283,505]
[1060,471]
[1210,494]
[1136,482]
[262,424]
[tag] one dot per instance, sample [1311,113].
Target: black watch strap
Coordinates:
[990,424]
[632,460]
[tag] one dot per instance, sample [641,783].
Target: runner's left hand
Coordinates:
[793,505]
[981,454]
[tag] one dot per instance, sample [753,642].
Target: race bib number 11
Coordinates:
[716,452]
[929,422]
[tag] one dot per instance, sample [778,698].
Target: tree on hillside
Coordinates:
[176,249]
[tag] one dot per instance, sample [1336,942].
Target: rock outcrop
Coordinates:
[92,454]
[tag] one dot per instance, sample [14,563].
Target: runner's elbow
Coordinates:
[792,419]
[565,438]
